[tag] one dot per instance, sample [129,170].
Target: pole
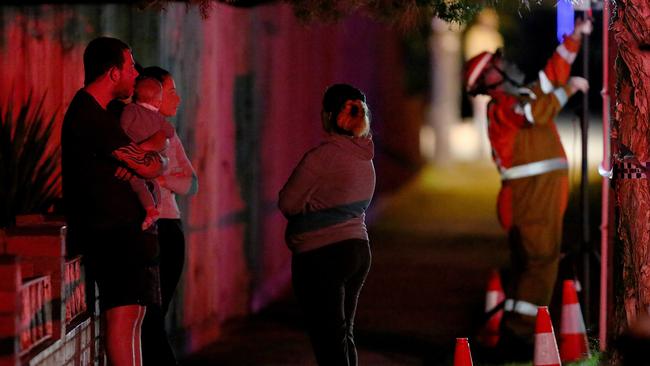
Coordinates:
[584,182]
[606,167]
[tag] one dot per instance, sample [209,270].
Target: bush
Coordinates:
[29,165]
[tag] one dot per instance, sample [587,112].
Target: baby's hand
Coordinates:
[123,174]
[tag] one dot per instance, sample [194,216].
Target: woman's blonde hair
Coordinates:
[346,112]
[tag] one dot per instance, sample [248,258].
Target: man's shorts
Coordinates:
[123,261]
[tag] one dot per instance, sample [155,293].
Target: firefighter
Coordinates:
[528,153]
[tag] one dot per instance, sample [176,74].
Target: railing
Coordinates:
[36,314]
[74,290]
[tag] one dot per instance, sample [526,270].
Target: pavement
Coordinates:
[434,243]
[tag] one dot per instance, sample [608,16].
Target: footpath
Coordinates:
[434,244]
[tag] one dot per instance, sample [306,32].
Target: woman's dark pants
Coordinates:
[327,282]
[156,350]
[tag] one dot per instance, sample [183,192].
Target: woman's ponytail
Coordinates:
[354,118]
[346,111]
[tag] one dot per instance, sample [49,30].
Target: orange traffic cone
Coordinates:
[573,337]
[489,335]
[546,353]
[462,356]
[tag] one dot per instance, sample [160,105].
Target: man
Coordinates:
[103,213]
[531,160]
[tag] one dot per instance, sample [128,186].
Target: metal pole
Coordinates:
[584,183]
[604,224]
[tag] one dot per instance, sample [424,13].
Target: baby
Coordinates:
[141,120]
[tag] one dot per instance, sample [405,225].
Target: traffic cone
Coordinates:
[546,353]
[489,335]
[573,337]
[462,356]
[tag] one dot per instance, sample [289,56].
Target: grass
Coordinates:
[454,199]
[594,360]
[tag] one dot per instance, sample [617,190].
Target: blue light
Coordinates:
[565,19]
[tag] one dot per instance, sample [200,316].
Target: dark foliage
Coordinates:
[29,167]
[407,13]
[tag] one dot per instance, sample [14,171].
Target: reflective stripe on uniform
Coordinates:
[561,96]
[520,307]
[567,55]
[528,112]
[572,322]
[546,352]
[536,168]
[478,69]
[545,83]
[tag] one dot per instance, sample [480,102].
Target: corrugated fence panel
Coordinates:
[251,82]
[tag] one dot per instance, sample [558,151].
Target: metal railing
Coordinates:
[36,314]
[73,290]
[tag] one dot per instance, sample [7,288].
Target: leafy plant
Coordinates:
[29,164]
[408,13]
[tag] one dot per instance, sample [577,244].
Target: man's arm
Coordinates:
[557,71]
[546,106]
[555,85]
[155,143]
[147,164]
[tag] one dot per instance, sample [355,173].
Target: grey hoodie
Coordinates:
[326,196]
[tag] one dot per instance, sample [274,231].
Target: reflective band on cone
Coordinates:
[572,320]
[546,352]
[489,335]
[573,337]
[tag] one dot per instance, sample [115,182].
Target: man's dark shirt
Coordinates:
[94,198]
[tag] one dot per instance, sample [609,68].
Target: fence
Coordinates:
[36,314]
[46,320]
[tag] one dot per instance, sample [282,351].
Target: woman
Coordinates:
[178,178]
[325,200]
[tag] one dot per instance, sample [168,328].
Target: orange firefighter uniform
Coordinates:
[531,160]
